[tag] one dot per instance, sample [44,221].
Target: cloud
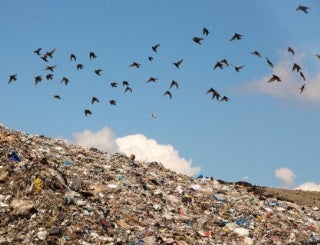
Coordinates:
[288,88]
[286,176]
[143,148]
[309,186]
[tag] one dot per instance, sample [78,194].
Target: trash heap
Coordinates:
[52,192]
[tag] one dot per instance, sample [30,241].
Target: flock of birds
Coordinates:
[215,95]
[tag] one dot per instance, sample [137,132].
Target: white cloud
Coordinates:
[309,186]
[143,148]
[286,176]
[288,88]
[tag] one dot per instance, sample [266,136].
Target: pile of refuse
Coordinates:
[52,192]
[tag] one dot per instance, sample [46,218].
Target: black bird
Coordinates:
[302,76]
[37,79]
[64,80]
[197,39]
[57,97]
[236,36]
[37,51]
[150,58]
[87,112]
[135,64]
[256,53]
[112,102]
[318,56]
[128,89]
[214,92]
[302,88]
[44,58]
[168,93]
[274,78]
[155,47]
[296,67]
[50,68]
[73,57]
[218,65]
[94,99]
[269,62]
[174,83]
[50,53]
[49,76]
[80,66]
[238,68]
[114,84]
[224,98]
[224,61]
[178,63]
[152,79]
[92,55]
[290,50]
[303,9]
[125,83]
[98,72]
[205,31]
[12,78]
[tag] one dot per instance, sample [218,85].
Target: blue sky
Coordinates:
[263,128]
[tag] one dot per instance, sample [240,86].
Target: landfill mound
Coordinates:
[52,192]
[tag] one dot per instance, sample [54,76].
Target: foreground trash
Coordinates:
[52,192]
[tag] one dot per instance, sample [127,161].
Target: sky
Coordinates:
[267,133]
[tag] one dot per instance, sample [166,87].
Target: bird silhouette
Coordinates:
[80,66]
[92,55]
[152,79]
[218,65]
[12,78]
[50,68]
[150,58]
[65,81]
[236,36]
[197,39]
[303,9]
[269,62]
[296,67]
[98,71]
[114,84]
[214,92]
[49,76]
[205,31]
[94,99]
[44,58]
[168,93]
[224,61]
[178,63]
[290,50]
[174,83]
[224,98]
[73,57]
[125,83]
[128,89]
[50,53]
[37,79]
[302,76]
[238,68]
[318,56]
[256,53]
[135,64]
[57,97]
[37,51]
[302,88]
[274,78]
[154,116]
[112,102]
[155,47]
[87,112]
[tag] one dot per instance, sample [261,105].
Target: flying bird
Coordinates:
[49,76]
[168,93]
[303,9]
[37,51]
[37,79]
[197,39]
[302,76]
[302,88]
[269,62]
[80,66]
[174,83]
[44,58]
[318,56]
[178,63]
[218,65]
[64,80]
[296,67]
[50,53]
[224,61]
[87,112]
[274,78]
[57,97]
[128,89]
[50,68]
[256,53]
[125,83]
[154,116]
[236,36]
[94,99]
[155,47]
[135,64]
[112,102]
[92,55]
[12,78]
[290,50]
[114,84]
[238,68]
[152,79]
[98,72]
[150,58]
[224,98]
[214,92]
[205,31]
[73,57]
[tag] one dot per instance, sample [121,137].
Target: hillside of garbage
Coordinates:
[54,192]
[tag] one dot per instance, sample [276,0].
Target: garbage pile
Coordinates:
[52,192]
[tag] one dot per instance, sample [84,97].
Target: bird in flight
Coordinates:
[50,68]
[37,51]
[318,56]
[87,112]
[224,98]
[303,9]
[178,63]
[12,78]
[73,57]
[218,65]
[256,53]
[49,76]
[37,79]
[92,55]
[205,31]
[168,93]
[274,78]
[152,79]
[57,97]
[98,71]
[80,66]
[114,84]
[94,99]
[197,39]
[302,75]
[64,80]
[154,116]
[238,68]
[214,92]
[155,47]
[236,36]
[50,53]
[269,62]
[128,89]
[302,88]
[174,83]
[125,83]
[150,58]
[135,64]
[112,102]
[290,50]
[296,67]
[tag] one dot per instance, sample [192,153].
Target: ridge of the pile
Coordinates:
[53,192]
